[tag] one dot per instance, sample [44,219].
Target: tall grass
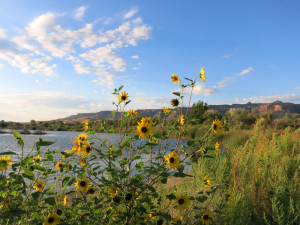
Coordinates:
[261,172]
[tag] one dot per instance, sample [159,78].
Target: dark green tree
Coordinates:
[196,116]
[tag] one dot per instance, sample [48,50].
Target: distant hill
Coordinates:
[262,108]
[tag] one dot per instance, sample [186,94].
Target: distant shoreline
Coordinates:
[24,131]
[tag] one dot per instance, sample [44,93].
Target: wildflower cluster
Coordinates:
[107,180]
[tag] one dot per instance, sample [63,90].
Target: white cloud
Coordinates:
[135,68]
[297,88]
[131,13]
[140,64]
[2,33]
[150,103]
[79,12]
[37,81]
[1,65]
[226,56]
[201,89]
[90,51]
[245,71]
[135,57]
[272,98]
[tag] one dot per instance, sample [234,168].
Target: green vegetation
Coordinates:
[259,167]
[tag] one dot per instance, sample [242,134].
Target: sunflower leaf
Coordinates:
[176,93]
[50,201]
[7,153]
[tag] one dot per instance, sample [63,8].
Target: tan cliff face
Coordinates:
[265,108]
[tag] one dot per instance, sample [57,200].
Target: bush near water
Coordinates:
[244,177]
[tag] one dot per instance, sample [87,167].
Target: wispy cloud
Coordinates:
[202,89]
[44,106]
[1,65]
[135,57]
[272,98]
[2,33]
[297,88]
[80,12]
[131,13]
[245,71]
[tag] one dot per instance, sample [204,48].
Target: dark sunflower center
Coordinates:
[82,183]
[181,201]
[39,185]
[172,160]
[91,191]
[51,220]
[123,97]
[128,197]
[59,212]
[205,217]
[37,160]
[175,102]
[160,222]
[60,165]
[88,149]
[144,129]
[215,126]
[116,199]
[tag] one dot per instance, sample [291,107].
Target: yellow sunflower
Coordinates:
[167,111]
[123,96]
[69,166]
[37,160]
[175,102]
[65,200]
[147,120]
[86,149]
[153,215]
[52,219]
[217,126]
[59,166]
[175,79]
[217,150]
[182,119]
[173,161]
[66,154]
[144,129]
[207,183]
[39,185]
[112,191]
[86,125]
[82,161]
[201,75]
[229,196]
[5,203]
[83,185]
[177,219]
[206,218]
[5,162]
[182,202]
[132,113]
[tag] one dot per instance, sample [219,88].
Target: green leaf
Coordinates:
[176,93]
[171,196]
[7,153]
[44,143]
[29,175]
[50,201]
[65,180]
[188,79]
[178,174]
[120,88]
[190,143]
[113,113]
[158,135]
[111,130]
[127,102]
[36,194]
[17,134]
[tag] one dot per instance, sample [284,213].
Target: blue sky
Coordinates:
[59,58]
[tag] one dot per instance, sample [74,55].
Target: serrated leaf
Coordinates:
[36,194]
[190,143]
[171,196]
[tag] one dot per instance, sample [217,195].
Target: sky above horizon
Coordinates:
[60,58]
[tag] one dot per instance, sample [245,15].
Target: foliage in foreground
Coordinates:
[260,177]
[107,181]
